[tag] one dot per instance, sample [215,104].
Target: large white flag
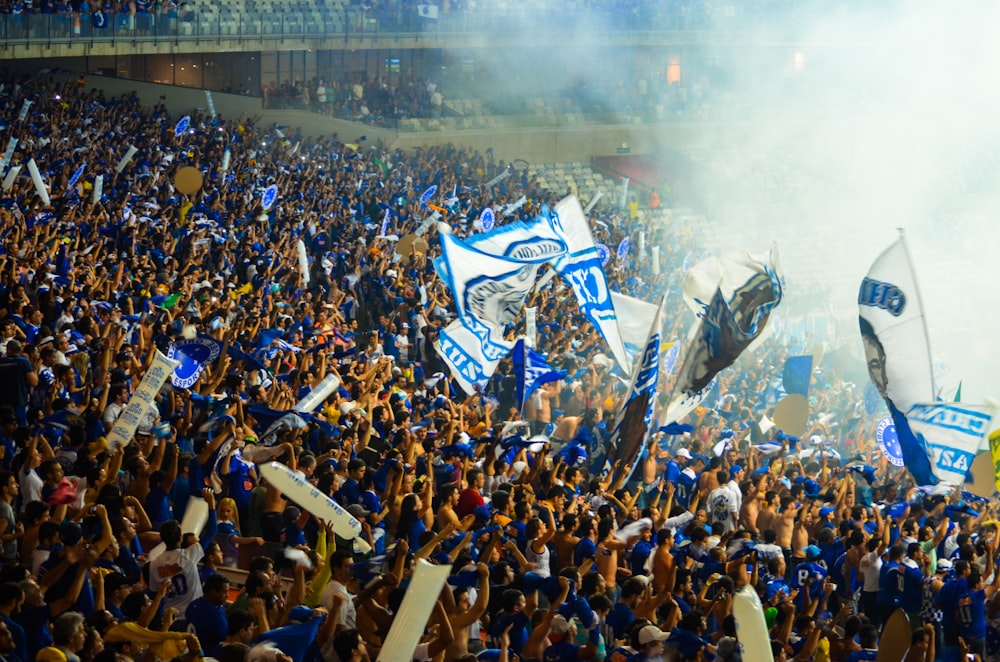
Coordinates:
[896,349]
[730,322]
[728,272]
[635,316]
[954,433]
[581,268]
[893,330]
[628,437]
[471,357]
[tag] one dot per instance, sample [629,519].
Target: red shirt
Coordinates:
[468,501]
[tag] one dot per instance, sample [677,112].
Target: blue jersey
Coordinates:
[890,584]
[804,572]
[948,599]
[687,486]
[913,588]
[972,614]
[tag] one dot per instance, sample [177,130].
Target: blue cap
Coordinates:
[827,511]
[735,469]
[811,551]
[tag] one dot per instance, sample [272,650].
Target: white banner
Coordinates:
[728,272]
[417,606]
[893,330]
[954,433]
[143,398]
[581,268]
[635,317]
[530,325]
[472,358]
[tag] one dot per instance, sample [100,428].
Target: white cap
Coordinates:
[651,633]
[685,453]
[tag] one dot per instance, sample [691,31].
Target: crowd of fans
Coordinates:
[551,558]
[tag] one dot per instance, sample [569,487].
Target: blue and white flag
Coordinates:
[604,253]
[534,241]
[581,268]
[897,351]
[471,357]
[888,441]
[426,196]
[728,272]
[729,324]
[487,219]
[628,437]
[193,355]
[489,289]
[953,432]
[182,125]
[269,196]
[76,176]
[531,370]
[623,249]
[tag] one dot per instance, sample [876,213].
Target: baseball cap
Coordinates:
[560,625]
[685,453]
[357,511]
[70,533]
[811,551]
[827,511]
[735,469]
[943,564]
[651,633]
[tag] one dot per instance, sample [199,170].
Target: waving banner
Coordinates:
[581,267]
[628,438]
[897,352]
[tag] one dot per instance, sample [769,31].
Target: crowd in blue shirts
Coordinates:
[551,557]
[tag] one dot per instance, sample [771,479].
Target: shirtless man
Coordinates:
[272,521]
[446,513]
[800,533]
[752,503]
[768,512]
[663,560]
[465,614]
[565,541]
[607,552]
[783,525]
[709,479]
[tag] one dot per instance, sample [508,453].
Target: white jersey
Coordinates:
[180,568]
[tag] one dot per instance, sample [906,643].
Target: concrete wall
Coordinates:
[536,145]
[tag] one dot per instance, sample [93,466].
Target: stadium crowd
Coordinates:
[551,559]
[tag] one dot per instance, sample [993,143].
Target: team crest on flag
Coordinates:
[192,356]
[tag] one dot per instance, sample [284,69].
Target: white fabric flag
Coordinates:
[893,330]
[581,268]
[635,316]
[728,272]
[954,433]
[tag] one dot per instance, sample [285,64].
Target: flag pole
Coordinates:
[920,302]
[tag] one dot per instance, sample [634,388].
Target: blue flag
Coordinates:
[531,371]
[294,640]
[795,378]
[193,354]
